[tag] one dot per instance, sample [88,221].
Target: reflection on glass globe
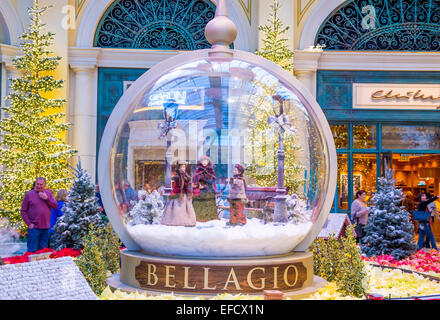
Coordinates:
[221,158]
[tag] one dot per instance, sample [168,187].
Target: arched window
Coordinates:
[398,25]
[155,24]
[4,35]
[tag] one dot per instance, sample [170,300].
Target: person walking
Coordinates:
[425,226]
[61,199]
[410,206]
[101,204]
[130,195]
[432,207]
[35,211]
[359,214]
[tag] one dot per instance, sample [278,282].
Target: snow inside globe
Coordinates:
[217,155]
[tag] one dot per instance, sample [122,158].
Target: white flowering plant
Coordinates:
[148,210]
[297,210]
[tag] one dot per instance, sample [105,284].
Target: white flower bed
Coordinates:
[51,279]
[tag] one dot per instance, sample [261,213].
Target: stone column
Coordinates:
[11,73]
[306,66]
[7,54]
[83,117]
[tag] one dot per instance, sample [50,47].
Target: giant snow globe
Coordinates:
[215,155]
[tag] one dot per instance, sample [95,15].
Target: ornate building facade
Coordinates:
[372,64]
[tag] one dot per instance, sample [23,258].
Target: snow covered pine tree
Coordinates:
[389,229]
[80,211]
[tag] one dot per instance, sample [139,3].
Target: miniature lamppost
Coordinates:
[170,110]
[280,123]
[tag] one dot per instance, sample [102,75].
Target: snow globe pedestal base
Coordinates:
[291,274]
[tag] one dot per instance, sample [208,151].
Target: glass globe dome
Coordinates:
[212,156]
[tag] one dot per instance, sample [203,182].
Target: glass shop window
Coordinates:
[340,135]
[365,174]
[342,192]
[410,137]
[149,174]
[364,137]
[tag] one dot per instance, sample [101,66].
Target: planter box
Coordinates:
[40,256]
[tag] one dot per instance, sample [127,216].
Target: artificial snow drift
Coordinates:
[216,239]
[9,239]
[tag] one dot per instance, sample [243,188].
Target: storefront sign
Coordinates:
[160,98]
[396,96]
[187,99]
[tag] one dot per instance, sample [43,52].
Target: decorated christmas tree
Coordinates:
[33,129]
[263,145]
[389,230]
[80,211]
[275,46]
[263,140]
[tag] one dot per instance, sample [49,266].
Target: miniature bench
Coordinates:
[260,197]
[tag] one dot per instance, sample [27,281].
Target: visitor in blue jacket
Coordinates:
[61,198]
[425,231]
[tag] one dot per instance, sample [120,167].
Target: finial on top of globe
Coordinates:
[221,31]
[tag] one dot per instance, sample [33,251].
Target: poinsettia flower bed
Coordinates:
[427,262]
[66,252]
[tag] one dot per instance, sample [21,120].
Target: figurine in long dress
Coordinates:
[237,197]
[205,191]
[179,210]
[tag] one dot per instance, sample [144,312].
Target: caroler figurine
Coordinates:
[237,197]
[179,210]
[205,190]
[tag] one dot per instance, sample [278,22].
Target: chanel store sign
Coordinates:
[396,96]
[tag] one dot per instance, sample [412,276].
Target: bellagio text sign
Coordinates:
[208,279]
